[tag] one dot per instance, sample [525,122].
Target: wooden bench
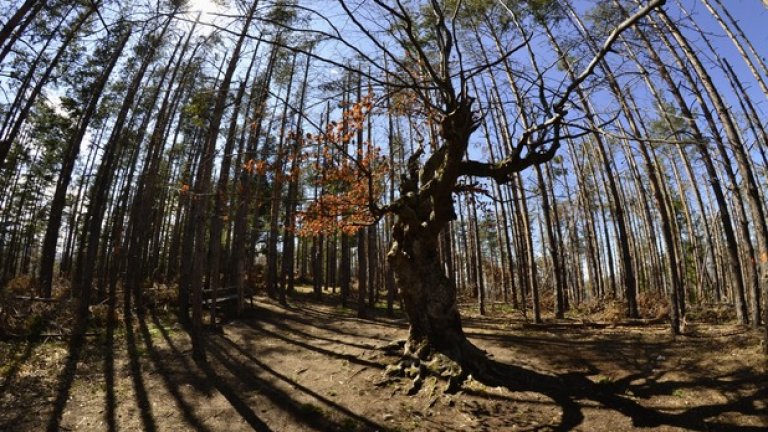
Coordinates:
[223,295]
[226,299]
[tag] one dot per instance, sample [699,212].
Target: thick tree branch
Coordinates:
[543,149]
[606,48]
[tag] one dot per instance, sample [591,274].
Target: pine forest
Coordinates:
[383,215]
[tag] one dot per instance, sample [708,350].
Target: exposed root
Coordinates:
[455,382]
[420,362]
[415,386]
[393,348]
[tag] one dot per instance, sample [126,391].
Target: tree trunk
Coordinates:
[747,60]
[246,201]
[630,282]
[199,207]
[654,174]
[105,175]
[751,188]
[478,261]
[273,288]
[429,297]
[551,239]
[17,24]
[734,265]
[362,272]
[20,119]
[750,193]
[48,253]
[287,278]
[220,212]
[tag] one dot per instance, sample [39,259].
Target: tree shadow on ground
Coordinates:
[341,356]
[139,388]
[243,380]
[34,385]
[12,368]
[67,376]
[108,352]
[248,372]
[576,352]
[294,325]
[249,380]
[572,389]
[28,398]
[304,315]
[171,385]
[637,365]
[233,397]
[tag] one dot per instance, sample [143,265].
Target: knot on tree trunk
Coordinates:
[459,124]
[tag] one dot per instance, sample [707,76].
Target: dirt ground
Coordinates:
[314,366]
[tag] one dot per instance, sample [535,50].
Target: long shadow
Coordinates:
[232,397]
[67,377]
[622,352]
[567,389]
[329,316]
[170,385]
[652,387]
[282,324]
[13,368]
[32,340]
[611,395]
[197,381]
[348,357]
[557,339]
[323,321]
[282,399]
[139,389]
[486,323]
[211,378]
[108,353]
[11,422]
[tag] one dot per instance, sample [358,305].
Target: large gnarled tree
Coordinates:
[437,75]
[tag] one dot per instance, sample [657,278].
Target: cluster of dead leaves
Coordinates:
[351,181]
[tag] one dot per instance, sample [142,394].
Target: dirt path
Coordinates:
[315,367]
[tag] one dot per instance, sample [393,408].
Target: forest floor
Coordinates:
[314,366]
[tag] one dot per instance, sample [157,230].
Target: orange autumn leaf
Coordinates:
[351,182]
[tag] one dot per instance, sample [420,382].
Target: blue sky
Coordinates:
[751,14]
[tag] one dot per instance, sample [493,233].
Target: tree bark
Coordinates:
[17,24]
[199,208]
[48,253]
[734,265]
